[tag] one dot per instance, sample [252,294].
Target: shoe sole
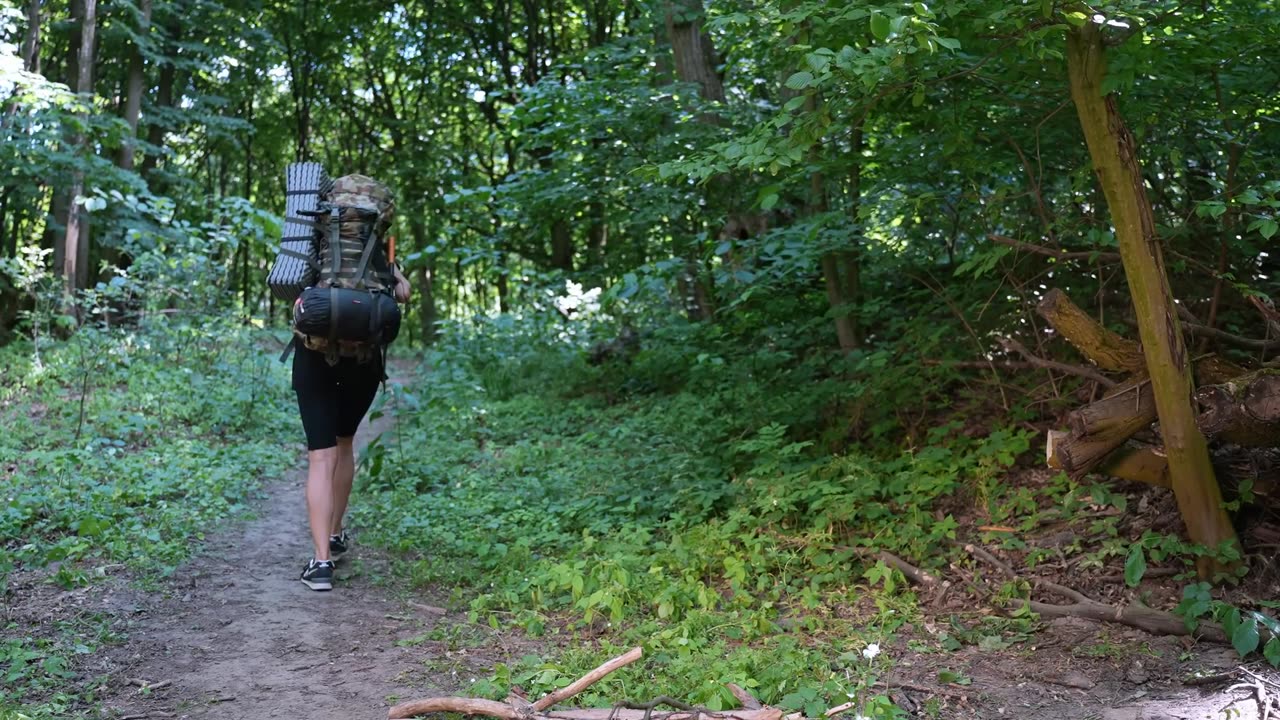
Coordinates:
[318,584]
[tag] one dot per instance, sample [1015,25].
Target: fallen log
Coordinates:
[1105,348]
[1237,468]
[1243,411]
[1144,464]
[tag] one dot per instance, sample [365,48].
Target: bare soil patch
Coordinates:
[236,635]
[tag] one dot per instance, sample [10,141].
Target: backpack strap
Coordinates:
[289,348]
[333,316]
[311,261]
[335,242]
[369,245]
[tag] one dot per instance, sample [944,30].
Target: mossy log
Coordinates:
[1105,348]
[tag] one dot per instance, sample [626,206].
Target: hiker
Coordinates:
[336,379]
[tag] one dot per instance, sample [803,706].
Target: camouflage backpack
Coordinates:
[350,311]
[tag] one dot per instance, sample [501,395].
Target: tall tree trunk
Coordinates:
[597,235]
[31,40]
[832,261]
[6,240]
[695,63]
[164,99]
[694,52]
[562,245]
[851,257]
[134,88]
[76,245]
[426,281]
[1113,150]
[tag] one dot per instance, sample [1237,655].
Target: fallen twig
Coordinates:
[587,680]
[504,711]
[748,700]
[1138,616]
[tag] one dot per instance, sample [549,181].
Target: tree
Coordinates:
[77,237]
[1115,158]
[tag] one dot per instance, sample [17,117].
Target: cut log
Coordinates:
[1106,349]
[1243,411]
[1114,352]
[1236,467]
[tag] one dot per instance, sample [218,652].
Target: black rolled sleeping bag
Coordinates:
[345,314]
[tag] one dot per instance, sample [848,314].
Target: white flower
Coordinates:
[871,651]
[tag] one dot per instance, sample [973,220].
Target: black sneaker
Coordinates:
[339,544]
[318,575]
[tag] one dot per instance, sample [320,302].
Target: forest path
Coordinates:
[236,635]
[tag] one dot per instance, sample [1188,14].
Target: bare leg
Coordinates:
[343,475]
[321,465]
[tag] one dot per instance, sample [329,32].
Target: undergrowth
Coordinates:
[122,447]
[669,502]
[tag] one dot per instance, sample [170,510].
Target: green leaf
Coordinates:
[1271,651]
[948,43]
[1268,228]
[818,62]
[800,80]
[1135,566]
[1245,639]
[880,26]
[921,9]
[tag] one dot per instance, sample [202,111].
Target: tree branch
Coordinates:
[1011,345]
[1109,257]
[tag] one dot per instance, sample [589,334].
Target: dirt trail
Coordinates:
[240,637]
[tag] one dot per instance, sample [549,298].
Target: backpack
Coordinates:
[349,310]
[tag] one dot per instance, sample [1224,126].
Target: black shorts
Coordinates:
[333,398]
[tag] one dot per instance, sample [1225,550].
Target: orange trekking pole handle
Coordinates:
[391,249]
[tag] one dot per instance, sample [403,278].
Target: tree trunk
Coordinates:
[597,235]
[133,93]
[694,53]
[76,245]
[164,99]
[561,245]
[31,41]
[1114,153]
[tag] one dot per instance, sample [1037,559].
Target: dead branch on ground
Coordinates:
[1157,622]
[518,709]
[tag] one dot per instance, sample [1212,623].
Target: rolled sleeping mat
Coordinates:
[344,314]
[297,261]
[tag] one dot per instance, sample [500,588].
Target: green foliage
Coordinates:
[124,445]
[678,511]
[1249,630]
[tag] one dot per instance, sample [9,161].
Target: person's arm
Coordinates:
[403,291]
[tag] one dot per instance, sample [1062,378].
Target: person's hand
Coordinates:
[402,291]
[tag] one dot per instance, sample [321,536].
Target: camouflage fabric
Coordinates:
[362,191]
[352,194]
